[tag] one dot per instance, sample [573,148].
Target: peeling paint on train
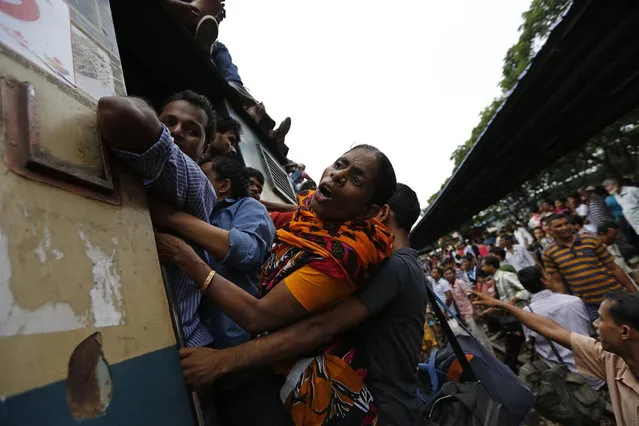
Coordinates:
[106,300]
[14,320]
[106,309]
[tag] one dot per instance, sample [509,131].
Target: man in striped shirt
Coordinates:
[163,151]
[581,265]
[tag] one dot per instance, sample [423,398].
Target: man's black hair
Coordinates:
[607,225]
[624,309]
[438,269]
[385,180]
[308,185]
[254,173]
[228,168]
[229,124]
[450,268]
[530,278]
[575,219]
[492,261]
[405,204]
[499,252]
[508,237]
[555,216]
[201,102]
[468,257]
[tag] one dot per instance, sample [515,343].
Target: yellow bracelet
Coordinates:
[207,282]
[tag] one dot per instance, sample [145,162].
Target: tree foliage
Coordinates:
[535,28]
[537,23]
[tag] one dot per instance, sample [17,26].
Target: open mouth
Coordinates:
[325,191]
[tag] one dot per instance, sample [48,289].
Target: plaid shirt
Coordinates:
[509,287]
[171,175]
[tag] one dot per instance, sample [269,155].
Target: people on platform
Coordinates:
[614,359]
[567,310]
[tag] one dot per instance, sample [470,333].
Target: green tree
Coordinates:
[535,28]
[534,31]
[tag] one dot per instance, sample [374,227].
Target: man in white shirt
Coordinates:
[516,255]
[442,288]
[522,236]
[628,199]
[568,311]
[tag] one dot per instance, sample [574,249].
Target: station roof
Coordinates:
[584,77]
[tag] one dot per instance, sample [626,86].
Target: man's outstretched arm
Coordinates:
[128,124]
[542,325]
[202,366]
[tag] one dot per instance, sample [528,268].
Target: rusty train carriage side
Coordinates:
[86,330]
[85,327]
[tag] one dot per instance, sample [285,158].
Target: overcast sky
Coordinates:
[407,76]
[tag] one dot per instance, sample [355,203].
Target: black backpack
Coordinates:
[472,402]
[464,404]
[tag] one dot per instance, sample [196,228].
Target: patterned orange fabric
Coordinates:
[347,250]
[328,390]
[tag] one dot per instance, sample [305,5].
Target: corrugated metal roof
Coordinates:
[583,78]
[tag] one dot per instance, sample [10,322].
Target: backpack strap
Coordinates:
[434,377]
[429,367]
[467,371]
[552,345]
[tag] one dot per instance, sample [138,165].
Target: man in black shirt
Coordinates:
[386,318]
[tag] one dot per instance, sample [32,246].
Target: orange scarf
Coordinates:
[348,250]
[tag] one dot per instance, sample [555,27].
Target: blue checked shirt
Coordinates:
[171,175]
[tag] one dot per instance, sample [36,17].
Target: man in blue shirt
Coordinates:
[238,238]
[163,151]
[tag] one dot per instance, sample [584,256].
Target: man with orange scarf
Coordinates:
[328,250]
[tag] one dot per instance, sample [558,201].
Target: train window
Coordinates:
[281,183]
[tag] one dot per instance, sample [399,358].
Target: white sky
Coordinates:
[408,76]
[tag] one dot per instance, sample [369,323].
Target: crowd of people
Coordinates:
[563,264]
[314,313]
